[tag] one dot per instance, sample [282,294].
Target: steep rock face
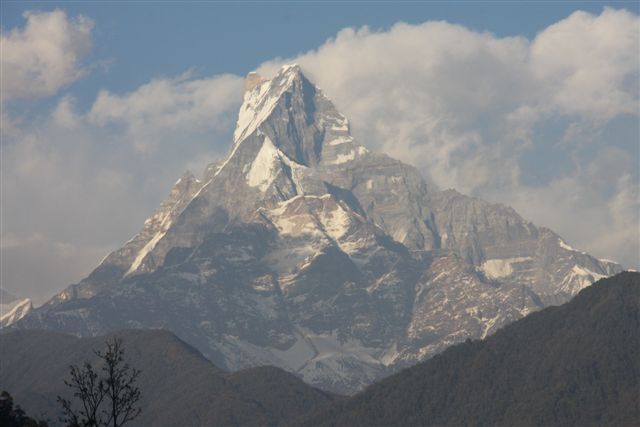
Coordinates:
[135,256]
[304,250]
[12,308]
[573,365]
[505,248]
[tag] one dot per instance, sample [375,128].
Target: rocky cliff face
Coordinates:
[304,250]
[12,308]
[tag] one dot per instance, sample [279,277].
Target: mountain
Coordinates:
[573,365]
[178,385]
[12,308]
[304,250]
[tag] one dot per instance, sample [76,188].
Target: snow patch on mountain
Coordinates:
[500,268]
[578,278]
[340,140]
[565,246]
[298,355]
[260,100]
[343,158]
[341,125]
[181,179]
[295,223]
[298,172]
[250,114]
[264,168]
[145,251]
[489,324]
[14,311]
[336,221]
[318,356]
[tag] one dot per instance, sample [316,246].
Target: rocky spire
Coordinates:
[252,80]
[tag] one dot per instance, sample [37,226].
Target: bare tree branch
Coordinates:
[107,400]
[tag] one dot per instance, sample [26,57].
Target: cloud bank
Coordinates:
[77,184]
[548,125]
[45,55]
[175,105]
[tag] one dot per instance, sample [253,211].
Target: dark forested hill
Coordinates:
[577,364]
[573,365]
[179,386]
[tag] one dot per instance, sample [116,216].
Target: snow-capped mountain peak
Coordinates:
[298,118]
[304,250]
[261,96]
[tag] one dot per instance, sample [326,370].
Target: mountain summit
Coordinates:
[304,250]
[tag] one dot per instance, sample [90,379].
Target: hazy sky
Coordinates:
[104,105]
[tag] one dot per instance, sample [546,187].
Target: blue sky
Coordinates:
[145,39]
[105,104]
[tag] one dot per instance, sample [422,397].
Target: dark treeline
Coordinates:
[12,415]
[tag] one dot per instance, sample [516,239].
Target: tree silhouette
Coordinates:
[106,399]
[14,416]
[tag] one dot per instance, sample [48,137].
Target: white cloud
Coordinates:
[178,105]
[65,114]
[435,94]
[76,184]
[52,266]
[45,55]
[595,208]
[589,64]
[474,112]
[471,110]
